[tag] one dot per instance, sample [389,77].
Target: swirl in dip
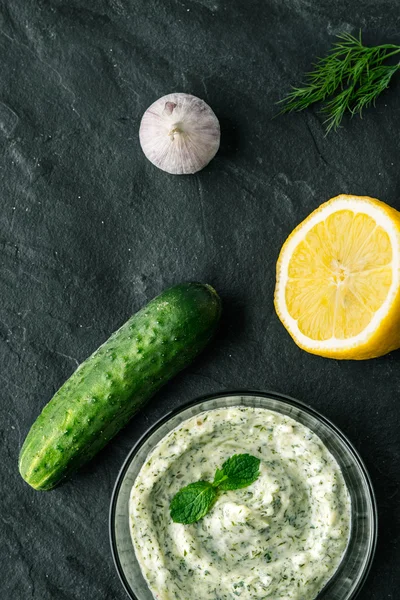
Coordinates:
[282,537]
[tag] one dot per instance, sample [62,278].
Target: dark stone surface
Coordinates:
[90,231]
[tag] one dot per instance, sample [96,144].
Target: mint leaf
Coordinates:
[240,470]
[192,502]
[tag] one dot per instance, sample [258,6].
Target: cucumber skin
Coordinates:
[108,388]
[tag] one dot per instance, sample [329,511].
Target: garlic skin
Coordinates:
[179,133]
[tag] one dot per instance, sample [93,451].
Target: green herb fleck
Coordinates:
[268,556]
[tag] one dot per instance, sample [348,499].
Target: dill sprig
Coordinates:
[349,79]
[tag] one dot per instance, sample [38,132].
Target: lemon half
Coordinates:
[337,287]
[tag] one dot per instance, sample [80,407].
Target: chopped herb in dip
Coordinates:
[282,537]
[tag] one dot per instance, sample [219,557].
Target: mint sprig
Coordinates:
[195,500]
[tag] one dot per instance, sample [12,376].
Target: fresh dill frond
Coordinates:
[349,79]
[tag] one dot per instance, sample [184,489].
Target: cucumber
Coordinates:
[113,383]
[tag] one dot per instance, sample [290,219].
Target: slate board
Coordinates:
[90,231]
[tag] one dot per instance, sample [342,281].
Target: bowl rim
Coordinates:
[242,392]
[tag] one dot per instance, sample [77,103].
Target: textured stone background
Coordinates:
[90,230]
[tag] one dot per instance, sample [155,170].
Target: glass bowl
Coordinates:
[353,570]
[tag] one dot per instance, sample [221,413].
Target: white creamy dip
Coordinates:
[282,537]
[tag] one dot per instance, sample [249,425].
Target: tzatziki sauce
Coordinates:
[282,537]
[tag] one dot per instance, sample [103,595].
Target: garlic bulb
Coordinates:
[179,133]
